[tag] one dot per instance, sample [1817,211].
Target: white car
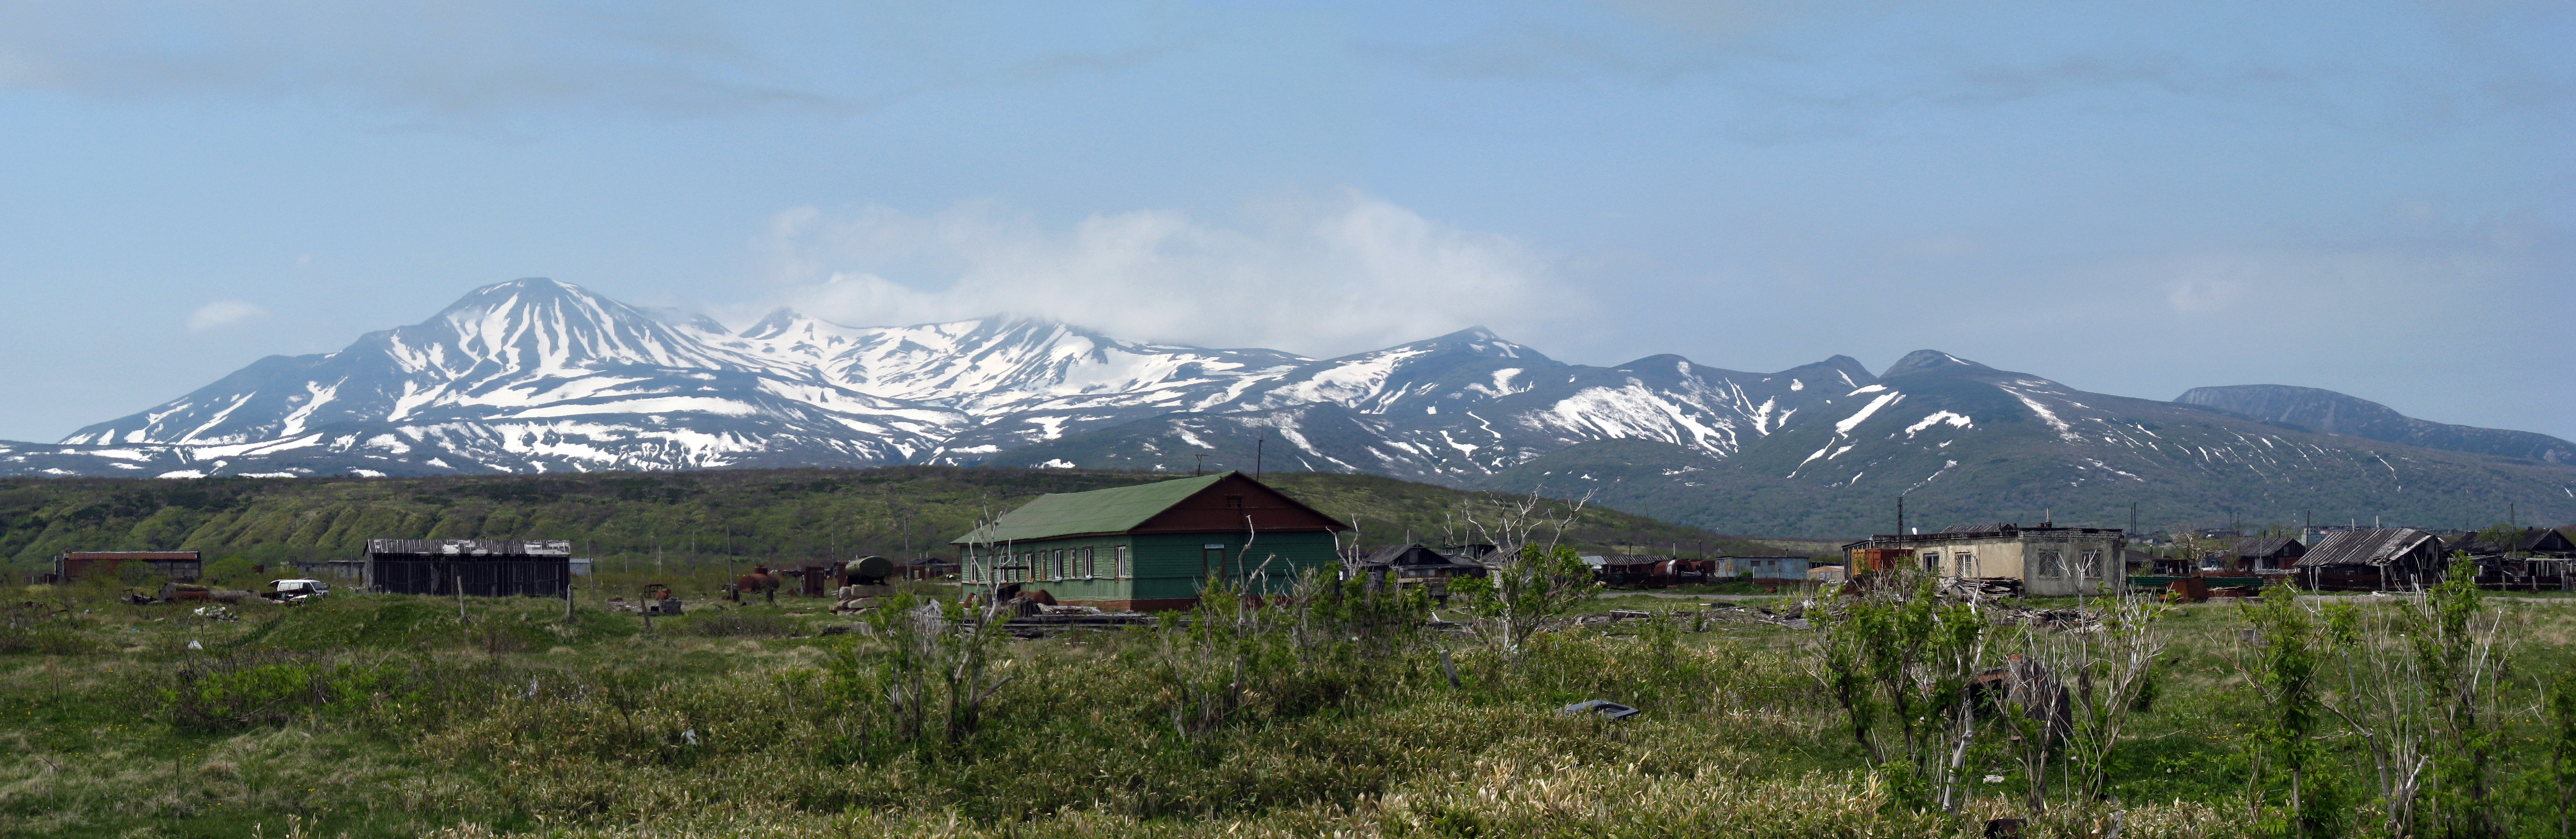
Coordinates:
[297,589]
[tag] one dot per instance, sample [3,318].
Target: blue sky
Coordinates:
[2375,198]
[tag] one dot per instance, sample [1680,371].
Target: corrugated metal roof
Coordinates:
[472,547]
[2365,547]
[1114,510]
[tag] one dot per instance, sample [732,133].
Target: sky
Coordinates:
[2371,197]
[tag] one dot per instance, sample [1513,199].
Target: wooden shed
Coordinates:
[2373,559]
[1152,546]
[478,567]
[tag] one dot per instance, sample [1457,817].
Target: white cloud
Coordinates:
[223,313]
[1353,275]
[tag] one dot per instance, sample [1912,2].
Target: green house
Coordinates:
[1152,546]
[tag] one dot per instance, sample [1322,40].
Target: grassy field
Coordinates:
[387,715]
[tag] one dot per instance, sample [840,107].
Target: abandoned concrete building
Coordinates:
[2047,560]
[1153,546]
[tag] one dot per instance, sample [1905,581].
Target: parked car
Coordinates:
[292,590]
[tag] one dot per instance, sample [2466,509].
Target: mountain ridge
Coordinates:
[2336,413]
[535,375]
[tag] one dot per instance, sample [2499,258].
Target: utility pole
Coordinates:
[1257,443]
[2133,518]
[1900,514]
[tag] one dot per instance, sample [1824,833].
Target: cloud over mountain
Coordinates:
[1346,275]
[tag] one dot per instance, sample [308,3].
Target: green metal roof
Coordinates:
[1115,510]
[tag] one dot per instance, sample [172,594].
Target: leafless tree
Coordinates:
[1531,575]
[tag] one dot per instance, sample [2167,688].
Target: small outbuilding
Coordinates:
[2261,555]
[1765,567]
[2373,559]
[1418,562]
[924,568]
[1152,546]
[478,567]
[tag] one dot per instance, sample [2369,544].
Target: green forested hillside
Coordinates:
[712,516]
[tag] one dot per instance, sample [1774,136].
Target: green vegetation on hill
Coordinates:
[681,518]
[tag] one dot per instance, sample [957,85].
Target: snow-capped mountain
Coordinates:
[1965,443]
[539,376]
[534,375]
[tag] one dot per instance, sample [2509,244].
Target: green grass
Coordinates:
[720,723]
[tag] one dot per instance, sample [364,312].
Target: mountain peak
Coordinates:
[1930,361]
[1481,341]
[778,322]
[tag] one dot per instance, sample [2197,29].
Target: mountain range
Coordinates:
[538,376]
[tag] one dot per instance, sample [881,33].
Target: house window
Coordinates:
[1932,562]
[2051,566]
[1967,563]
[1234,502]
[2093,564]
[1090,564]
[1118,562]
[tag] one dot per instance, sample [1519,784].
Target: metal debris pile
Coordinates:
[1981,588]
[2055,620]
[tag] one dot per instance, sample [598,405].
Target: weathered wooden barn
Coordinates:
[2531,559]
[479,567]
[1152,546]
[2373,559]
